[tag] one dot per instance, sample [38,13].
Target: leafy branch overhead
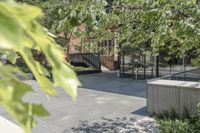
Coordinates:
[21,33]
[66,16]
[172,25]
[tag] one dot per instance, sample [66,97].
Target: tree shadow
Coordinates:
[117,125]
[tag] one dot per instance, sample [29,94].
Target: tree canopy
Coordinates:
[172,25]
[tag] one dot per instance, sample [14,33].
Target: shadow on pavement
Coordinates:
[141,112]
[117,125]
[106,125]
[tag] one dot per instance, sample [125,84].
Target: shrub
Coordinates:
[174,126]
[171,122]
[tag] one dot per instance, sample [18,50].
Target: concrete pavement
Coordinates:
[104,102]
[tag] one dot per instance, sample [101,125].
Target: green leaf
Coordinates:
[12,57]
[9,29]
[66,78]
[20,34]
[11,93]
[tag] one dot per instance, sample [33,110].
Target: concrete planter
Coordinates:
[9,127]
[165,95]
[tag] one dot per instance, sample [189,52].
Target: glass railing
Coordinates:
[190,75]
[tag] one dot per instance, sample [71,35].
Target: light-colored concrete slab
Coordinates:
[7,126]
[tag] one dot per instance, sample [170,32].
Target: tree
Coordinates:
[63,18]
[20,34]
[170,25]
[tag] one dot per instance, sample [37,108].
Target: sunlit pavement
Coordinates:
[104,104]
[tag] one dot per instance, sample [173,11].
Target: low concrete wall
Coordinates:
[165,95]
[7,126]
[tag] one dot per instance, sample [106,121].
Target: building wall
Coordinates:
[106,48]
[109,62]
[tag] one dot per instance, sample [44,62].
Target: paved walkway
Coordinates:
[105,103]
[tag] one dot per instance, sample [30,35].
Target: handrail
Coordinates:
[173,75]
[179,75]
[90,59]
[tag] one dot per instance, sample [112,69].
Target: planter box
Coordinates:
[165,95]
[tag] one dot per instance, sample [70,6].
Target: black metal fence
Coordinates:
[143,65]
[90,59]
[136,64]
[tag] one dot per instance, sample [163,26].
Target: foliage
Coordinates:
[172,122]
[166,25]
[170,25]
[68,19]
[20,34]
[174,126]
[25,69]
[81,68]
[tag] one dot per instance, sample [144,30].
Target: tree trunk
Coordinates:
[67,45]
